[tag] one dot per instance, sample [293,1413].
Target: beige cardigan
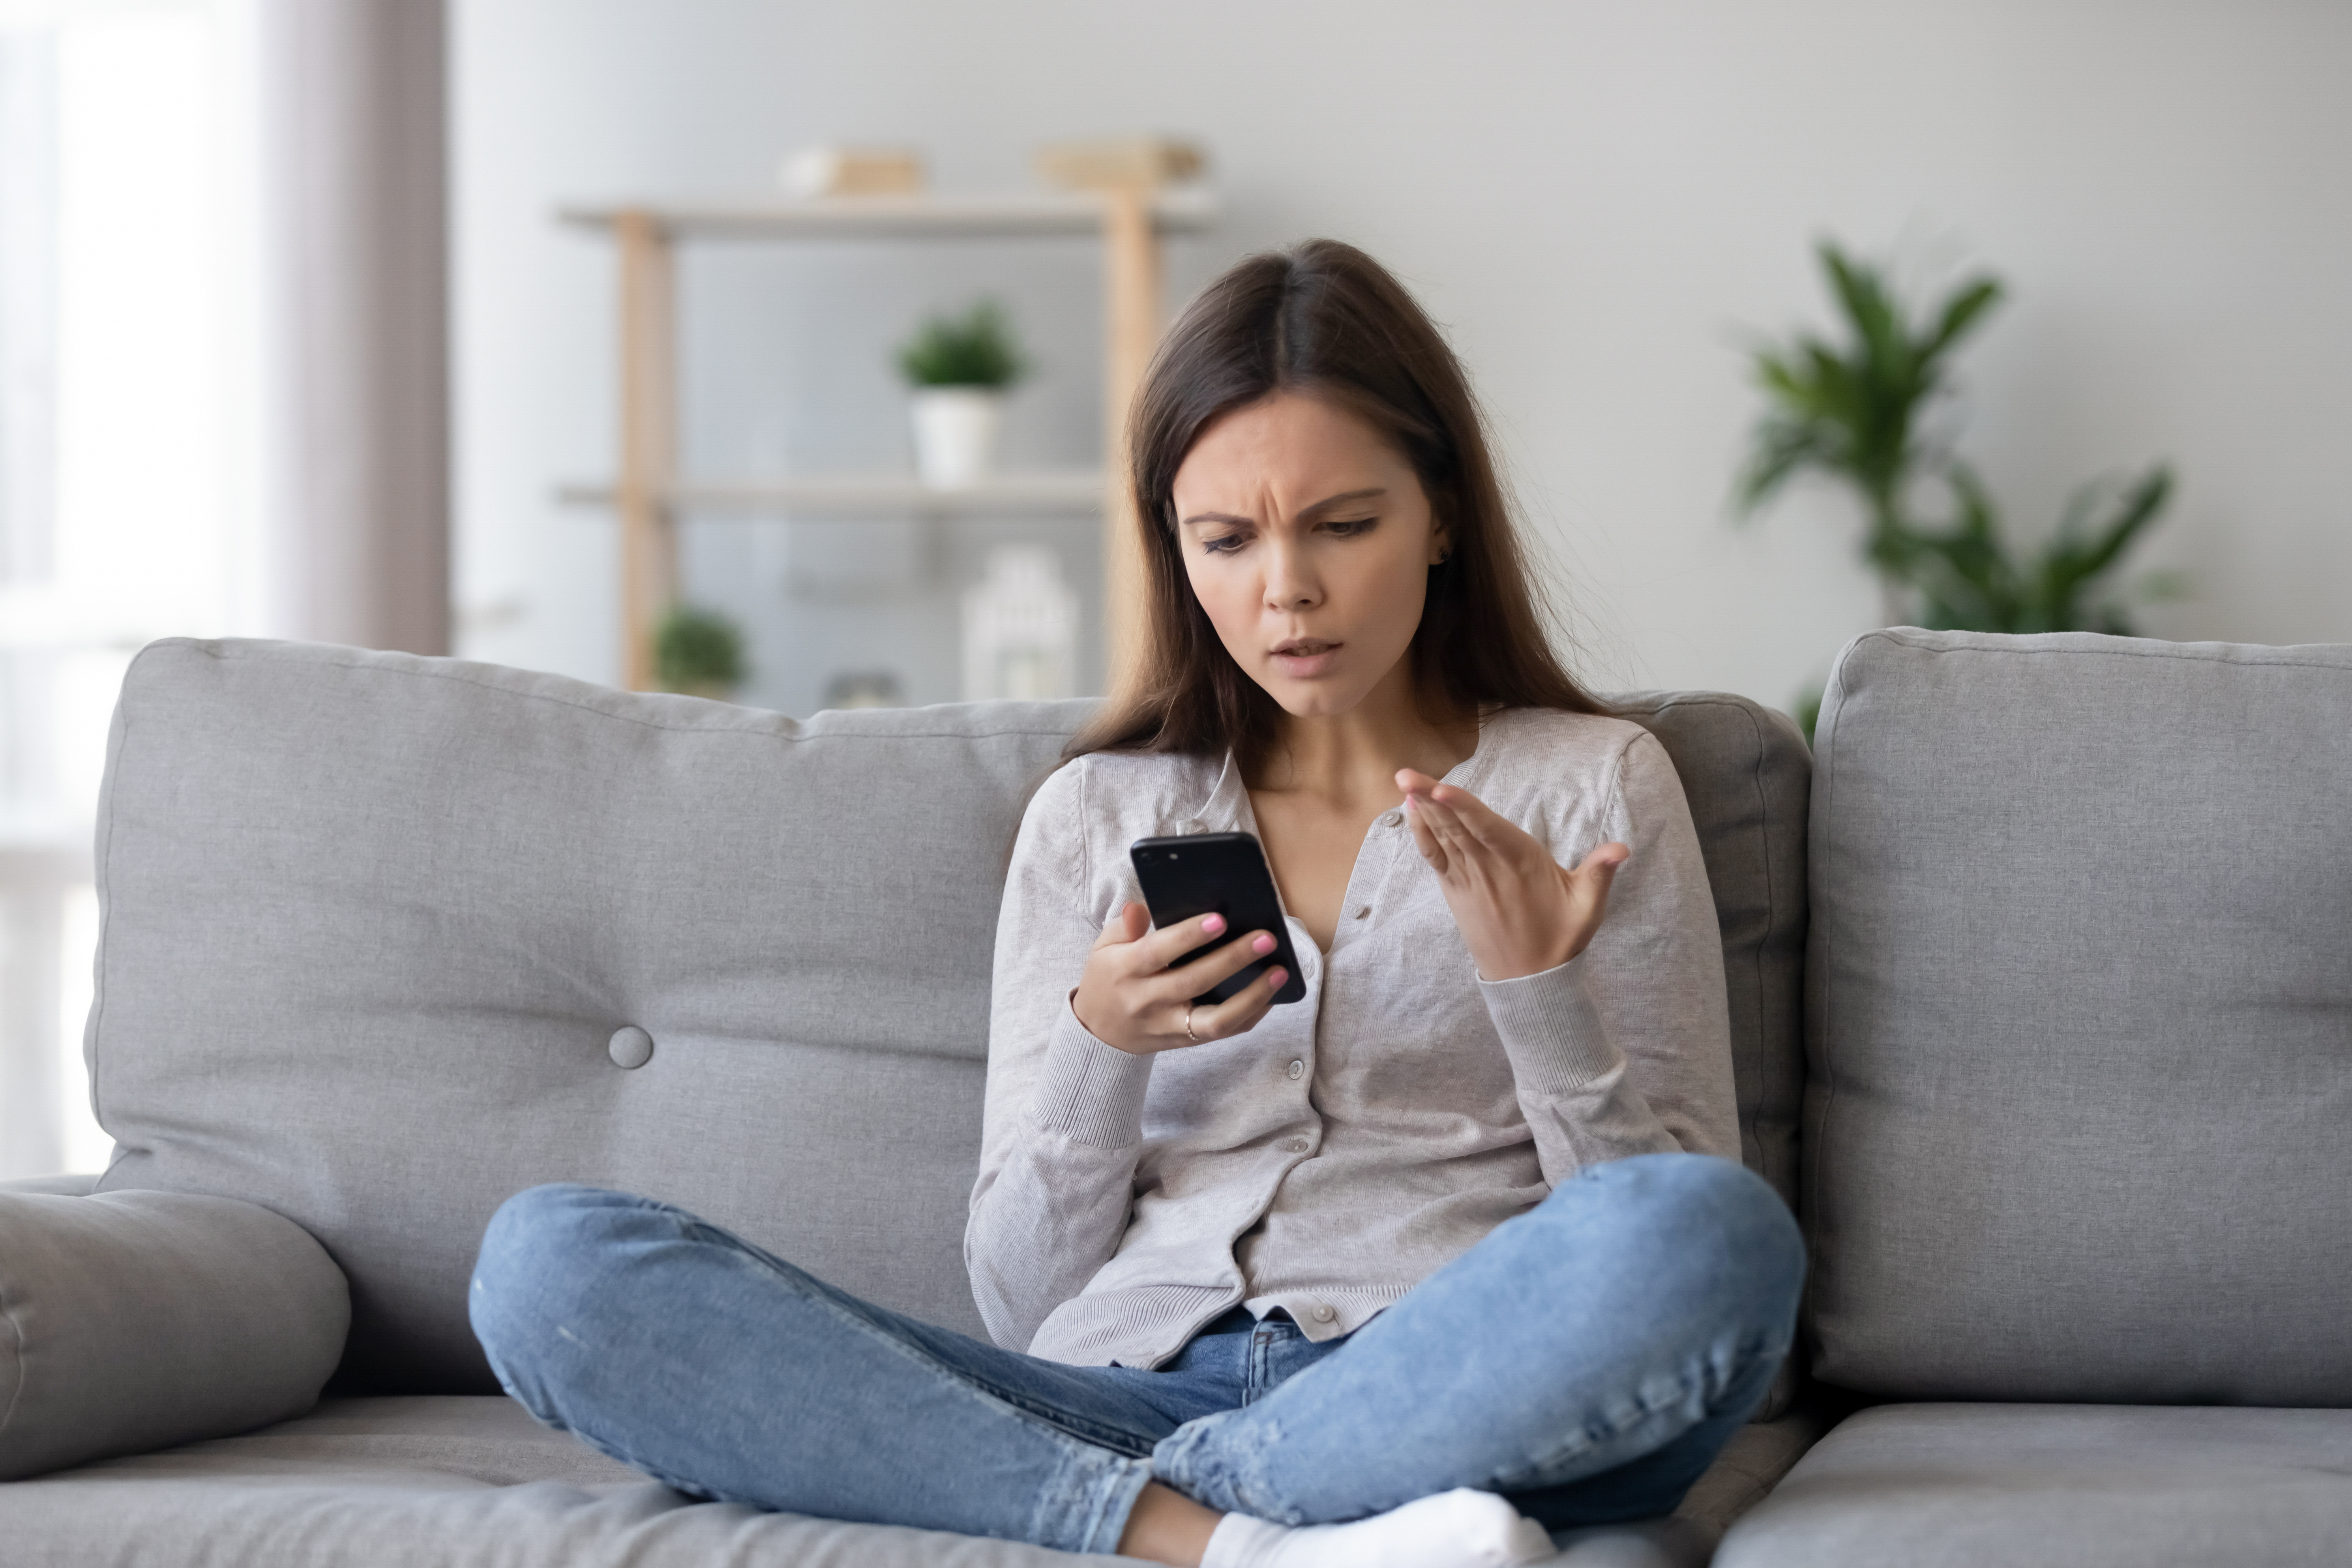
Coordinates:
[1351,1143]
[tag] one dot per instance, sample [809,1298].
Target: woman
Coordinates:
[1453,1252]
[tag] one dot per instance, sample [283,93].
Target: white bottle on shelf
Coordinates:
[1019,628]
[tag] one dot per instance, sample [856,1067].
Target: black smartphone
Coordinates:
[1225,873]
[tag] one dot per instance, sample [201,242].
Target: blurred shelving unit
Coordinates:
[648,494]
[878,495]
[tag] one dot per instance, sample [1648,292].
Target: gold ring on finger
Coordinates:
[1187,1023]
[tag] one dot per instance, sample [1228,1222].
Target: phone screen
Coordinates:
[1227,873]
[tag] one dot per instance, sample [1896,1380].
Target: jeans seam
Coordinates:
[1745,1360]
[1109,1508]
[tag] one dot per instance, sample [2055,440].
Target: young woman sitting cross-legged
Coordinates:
[1454,1253]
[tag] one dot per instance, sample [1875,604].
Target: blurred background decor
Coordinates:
[224,348]
[1861,413]
[698,652]
[872,561]
[290,345]
[835,171]
[1020,628]
[863,689]
[960,368]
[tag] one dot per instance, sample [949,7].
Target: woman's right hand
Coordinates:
[1129,997]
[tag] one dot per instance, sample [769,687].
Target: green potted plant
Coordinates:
[960,368]
[698,652]
[1853,413]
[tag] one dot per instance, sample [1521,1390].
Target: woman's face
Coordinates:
[1309,540]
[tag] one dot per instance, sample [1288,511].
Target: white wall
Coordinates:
[1599,200]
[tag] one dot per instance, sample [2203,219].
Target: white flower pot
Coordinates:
[955,432]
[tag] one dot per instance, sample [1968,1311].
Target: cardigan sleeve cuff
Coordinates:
[1090,1092]
[1551,1031]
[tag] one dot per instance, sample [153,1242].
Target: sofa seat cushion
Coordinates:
[451,1481]
[455,1481]
[2061,1485]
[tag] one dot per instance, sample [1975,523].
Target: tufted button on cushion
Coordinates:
[631,1047]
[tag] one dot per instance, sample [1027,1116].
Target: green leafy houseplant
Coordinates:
[1853,412]
[975,349]
[698,652]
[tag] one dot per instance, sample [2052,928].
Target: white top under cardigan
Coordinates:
[1351,1143]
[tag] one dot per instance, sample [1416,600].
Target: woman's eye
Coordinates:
[1225,546]
[1353,526]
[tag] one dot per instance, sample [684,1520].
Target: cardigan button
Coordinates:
[1323,1312]
[1297,1145]
[1391,819]
[631,1048]
[1297,1070]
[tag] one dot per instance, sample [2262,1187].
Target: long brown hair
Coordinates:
[1324,319]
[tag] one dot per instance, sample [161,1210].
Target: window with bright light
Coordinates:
[128,382]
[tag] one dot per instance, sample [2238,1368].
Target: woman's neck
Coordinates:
[1348,760]
[1325,778]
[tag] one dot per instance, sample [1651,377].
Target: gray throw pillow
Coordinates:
[136,1321]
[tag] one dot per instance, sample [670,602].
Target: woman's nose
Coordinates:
[1288,586]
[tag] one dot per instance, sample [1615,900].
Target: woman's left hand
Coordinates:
[1520,911]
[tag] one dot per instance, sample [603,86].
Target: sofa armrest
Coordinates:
[139,1320]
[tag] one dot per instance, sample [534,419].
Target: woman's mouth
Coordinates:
[1302,657]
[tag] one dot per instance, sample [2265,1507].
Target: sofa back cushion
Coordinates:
[371,922]
[1748,776]
[380,933]
[2079,1021]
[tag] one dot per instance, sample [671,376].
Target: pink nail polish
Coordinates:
[1263,945]
[1212,924]
[1275,977]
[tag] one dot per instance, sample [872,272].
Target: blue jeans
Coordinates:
[1587,1360]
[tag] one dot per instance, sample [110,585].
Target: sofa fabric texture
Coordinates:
[1964,1486]
[73,1184]
[466,1481]
[2079,1021]
[137,1321]
[1748,774]
[372,924]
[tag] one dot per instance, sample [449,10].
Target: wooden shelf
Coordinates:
[646,494]
[875,495]
[1179,211]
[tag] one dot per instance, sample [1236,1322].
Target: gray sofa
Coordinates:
[2067,1025]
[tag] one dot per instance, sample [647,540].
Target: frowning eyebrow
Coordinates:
[1328,503]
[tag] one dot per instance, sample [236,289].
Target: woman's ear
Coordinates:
[1441,545]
